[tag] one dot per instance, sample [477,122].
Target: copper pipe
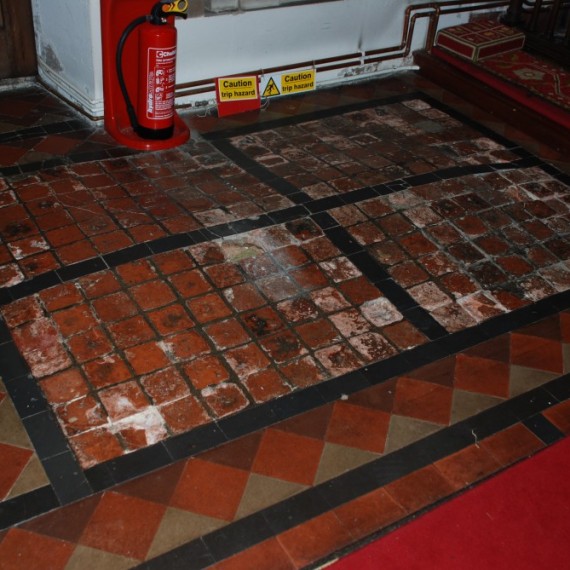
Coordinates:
[432,11]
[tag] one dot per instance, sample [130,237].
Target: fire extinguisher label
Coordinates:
[160,83]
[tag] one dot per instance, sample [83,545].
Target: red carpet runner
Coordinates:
[518,519]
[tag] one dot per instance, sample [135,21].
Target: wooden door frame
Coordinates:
[17,41]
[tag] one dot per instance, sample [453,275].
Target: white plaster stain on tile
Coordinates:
[167,348]
[380,312]
[16,277]
[149,420]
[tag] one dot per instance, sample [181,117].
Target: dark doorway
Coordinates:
[17,44]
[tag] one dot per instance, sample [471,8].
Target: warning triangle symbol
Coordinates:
[271,89]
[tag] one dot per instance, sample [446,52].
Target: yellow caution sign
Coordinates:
[271,89]
[298,81]
[237,88]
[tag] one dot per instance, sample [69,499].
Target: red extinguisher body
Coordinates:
[157,79]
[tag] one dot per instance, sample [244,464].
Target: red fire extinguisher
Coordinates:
[154,115]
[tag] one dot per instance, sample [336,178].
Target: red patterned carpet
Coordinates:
[478,49]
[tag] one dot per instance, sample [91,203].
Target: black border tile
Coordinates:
[71,272]
[191,556]
[193,442]
[46,435]
[66,477]
[26,506]
[543,429]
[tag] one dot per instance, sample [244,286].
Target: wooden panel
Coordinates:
[17,45]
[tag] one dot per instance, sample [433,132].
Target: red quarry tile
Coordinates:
[262,322]
[244,297]
[318,333]
[208,308]
[99,284]
[359,290]
[467,466]
[338,359]
[304,372]
[22,311]
[171,319]
[173,262]
[512,444]
[146,358]
[329,300]
[372,346]
[351,323]
[74,320]
[114,307]
[224,275]
[152,295]
[259,266]
[184,414]
[106,371]
[123,400]
[320,249]
[288,456]
[315,539]
[535,352]
[207,253]
[38,264]
[266,385]
[14,460]
[290,256]
[113,241]
[130,332]
[206,371]
[165,386]
[184,346]
[190,283]
[404,335]
[39,343]
[408,274]
[95,446]
[350,426]
[419,489]
[10,275]
[298,310]
[482,376]
[246,360]
[75,252]
[202,480]
[310,277]
[369,513]
[65,386]
[23,550]
[225,399]
[136,272]
[277,287]
[123,525]
[283,346]
[81,415]
[423,401]
[268,555]
[61,297]
[89,345]
[227,334]
[367,233]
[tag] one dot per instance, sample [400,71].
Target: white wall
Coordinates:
[69,51]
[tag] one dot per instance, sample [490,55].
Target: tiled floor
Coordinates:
[266,346]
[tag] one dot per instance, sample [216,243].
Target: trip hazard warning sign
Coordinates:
[288,83]
[271,89]
[237,94]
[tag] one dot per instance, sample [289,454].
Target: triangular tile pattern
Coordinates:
[22,471]
[159,511]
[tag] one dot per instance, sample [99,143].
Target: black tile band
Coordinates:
[271,521]
[70,483]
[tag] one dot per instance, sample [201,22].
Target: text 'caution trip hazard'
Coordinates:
[288,83]
[237,88]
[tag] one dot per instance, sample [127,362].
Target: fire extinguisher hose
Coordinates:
[119,65]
